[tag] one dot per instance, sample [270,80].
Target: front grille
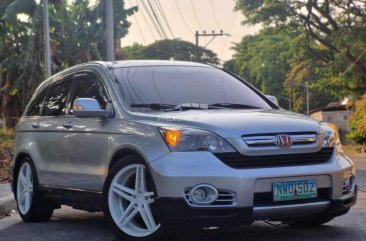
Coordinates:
[266,198]
[237,160]
[270,139]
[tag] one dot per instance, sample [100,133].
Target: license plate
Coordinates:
[294,190]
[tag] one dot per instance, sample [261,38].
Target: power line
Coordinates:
[214,14]
[138,25]
[162,13]
[196,16]
[147,22]
[152,19]
[229,33]
[157,19]
[182,17]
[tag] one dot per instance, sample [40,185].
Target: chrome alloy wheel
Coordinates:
[24,188]
[129,202]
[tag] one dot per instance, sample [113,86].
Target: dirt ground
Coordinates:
[5,157]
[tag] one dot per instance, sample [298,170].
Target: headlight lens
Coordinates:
[184,140]
[331,137]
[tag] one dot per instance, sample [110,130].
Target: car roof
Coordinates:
[140,63]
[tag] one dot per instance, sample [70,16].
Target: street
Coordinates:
[69,224]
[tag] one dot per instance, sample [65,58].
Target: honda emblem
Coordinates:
[284,140]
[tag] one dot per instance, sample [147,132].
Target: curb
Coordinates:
[7,201]
[7,204]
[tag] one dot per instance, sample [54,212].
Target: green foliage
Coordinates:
[77,36]
[335,32]
[358,121]
[171,49]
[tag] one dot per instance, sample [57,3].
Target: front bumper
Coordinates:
[175,173]
[176,210]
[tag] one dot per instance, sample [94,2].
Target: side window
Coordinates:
[36,106]
[88,86]
[55,102]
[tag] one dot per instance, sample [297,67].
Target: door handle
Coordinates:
[68,125]
[36,125]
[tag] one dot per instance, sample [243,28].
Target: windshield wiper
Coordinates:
[234,106]
[156,106]
[181,107]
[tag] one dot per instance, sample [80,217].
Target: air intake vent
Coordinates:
[237,160]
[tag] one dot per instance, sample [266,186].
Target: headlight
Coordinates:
[331,137]
[184,140]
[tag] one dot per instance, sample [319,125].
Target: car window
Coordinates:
[88,86]
[55,102]
[36,106]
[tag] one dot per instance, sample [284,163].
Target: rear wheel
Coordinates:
[30,204]
[128,197]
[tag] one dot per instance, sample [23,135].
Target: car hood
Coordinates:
[230,123]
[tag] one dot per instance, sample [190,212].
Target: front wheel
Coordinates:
[128,197]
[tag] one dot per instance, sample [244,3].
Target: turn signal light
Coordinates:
[172,137]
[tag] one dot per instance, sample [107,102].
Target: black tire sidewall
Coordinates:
[122,163]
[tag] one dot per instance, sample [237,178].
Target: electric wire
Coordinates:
[137,23]
[182,17]
[162,13]
[157,29]
[145,19]
[196,16]
[157,19]
[214,14]
[229,33]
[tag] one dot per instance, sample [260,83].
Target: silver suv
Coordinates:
[155,144]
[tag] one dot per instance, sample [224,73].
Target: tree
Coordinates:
[172,49]
[358,121]
[77,35]
[338,26]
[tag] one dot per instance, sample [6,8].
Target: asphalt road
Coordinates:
[68,224]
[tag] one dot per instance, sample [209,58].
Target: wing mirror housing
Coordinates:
[273,99]
[89,107]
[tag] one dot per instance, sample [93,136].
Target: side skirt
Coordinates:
[78,199]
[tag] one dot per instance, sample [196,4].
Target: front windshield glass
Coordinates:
[182,85]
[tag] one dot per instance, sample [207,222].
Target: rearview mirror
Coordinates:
[273,99]
[88,107]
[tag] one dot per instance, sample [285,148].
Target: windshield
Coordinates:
[165,86]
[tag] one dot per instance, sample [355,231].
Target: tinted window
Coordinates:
[88,86]
[55,102]
[36,106]
[179,84]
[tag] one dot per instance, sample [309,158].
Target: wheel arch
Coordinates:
[123,152]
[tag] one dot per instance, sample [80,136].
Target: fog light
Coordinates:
[203,194]
[351,184]
[199,195]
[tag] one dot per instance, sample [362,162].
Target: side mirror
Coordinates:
[89,107]
[273,99]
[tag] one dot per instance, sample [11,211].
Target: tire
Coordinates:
[311,222]
[30,205]
[128,203]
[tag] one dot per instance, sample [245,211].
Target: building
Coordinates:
[337,114]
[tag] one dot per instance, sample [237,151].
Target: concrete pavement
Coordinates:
[7,202]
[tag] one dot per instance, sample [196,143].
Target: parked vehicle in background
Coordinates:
[156,143]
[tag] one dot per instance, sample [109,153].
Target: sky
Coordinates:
[216,16]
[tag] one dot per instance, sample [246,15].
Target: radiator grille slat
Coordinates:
[237,160]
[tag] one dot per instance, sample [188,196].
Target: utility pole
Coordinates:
[109,33]
[307,97]
[47,51]
[205,34]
